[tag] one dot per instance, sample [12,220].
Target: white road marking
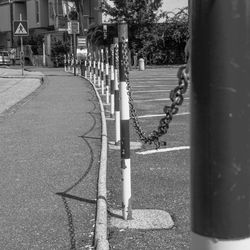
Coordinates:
[161,150]
[157,100]
[151,91]
[152,80]
[159,115]
[152,86]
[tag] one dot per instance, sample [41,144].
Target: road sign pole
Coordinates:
[22,53]
[11,24]
[74,52]
[220,142]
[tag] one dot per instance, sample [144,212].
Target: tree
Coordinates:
[175,35]
[141,17]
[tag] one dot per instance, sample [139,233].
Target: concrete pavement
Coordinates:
[14,87]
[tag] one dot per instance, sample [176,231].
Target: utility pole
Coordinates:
[220,142]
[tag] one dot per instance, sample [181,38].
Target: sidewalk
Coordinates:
[50,150]
[14,87]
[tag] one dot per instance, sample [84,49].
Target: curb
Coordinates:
[101,241]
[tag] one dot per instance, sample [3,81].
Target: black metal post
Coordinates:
[220,145]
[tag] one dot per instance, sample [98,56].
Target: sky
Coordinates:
[173,5]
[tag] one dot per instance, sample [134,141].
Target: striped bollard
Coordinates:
[85,68]
[125,116]
[81,67]
[94,68]
[116,92]
[72,65]
[98,70]
[112,82]
[220,108]
[68,63]
[65,63]
[77,67]
[107,73]
[90,67]
[102,73]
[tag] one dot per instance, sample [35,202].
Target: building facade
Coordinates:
[43,16]
[9,11]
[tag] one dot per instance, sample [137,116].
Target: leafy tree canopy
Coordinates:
[141,17]
[141,12]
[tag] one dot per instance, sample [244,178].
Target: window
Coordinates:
[37,11]
[51,10]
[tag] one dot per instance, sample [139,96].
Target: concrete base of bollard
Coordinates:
[102,245]
[142,219]
[133,145]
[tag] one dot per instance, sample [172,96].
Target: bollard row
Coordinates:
[101,66]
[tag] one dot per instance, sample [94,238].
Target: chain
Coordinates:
[116,62]
[176,96]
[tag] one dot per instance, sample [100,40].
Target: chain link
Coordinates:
[176,96]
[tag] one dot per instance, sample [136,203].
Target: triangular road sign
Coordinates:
[21,28]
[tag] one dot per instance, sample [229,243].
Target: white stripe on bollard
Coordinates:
[94,69]
[90,68]
[124,101]
[102,73]
[126,189]
[98,71]
[107,74]
[85,66]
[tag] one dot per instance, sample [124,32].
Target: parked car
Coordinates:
[4,58]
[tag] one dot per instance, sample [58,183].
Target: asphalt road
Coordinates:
[50,146]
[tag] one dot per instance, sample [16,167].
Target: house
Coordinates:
[10,10]
[46,18]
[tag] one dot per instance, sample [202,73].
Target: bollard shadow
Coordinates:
[112,214]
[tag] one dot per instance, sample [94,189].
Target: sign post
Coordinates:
[20,28]
[73,28]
